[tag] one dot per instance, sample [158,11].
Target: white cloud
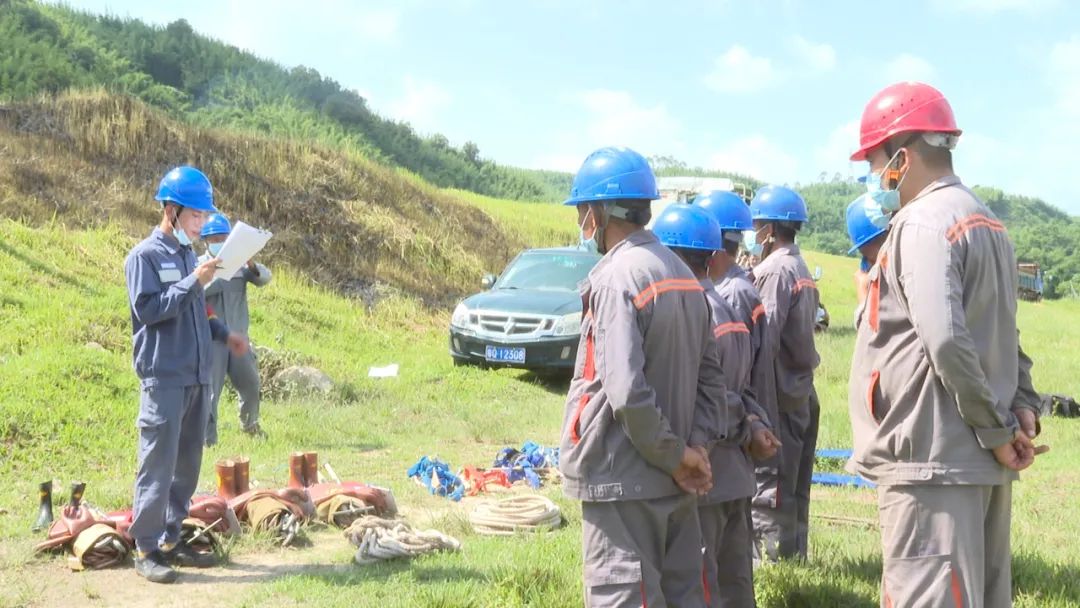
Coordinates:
[998,6]
[738,71]
[906,66]
[1063,72]
[618,119]
[817,57]
[611,118]
[419,103]
[756,156]
[568,162]
[379,24]
[832,155]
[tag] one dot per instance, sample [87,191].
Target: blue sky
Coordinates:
[771,88]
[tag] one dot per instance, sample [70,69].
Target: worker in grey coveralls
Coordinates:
[783,377]
[942,409]
[228,299]
[696,237]
[732,282]
[171,332]
[646,387]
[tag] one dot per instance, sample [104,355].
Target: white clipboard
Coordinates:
[242,244]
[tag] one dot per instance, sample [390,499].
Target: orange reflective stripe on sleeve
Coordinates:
[802,284]
[972,222]
[652,291]
[758,313]
[727,328]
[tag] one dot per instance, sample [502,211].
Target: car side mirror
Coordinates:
[817,273]
[488,281]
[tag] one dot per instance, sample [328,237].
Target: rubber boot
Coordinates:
[296,470]
[45,508]
[311,469]
[77,489]
[243,475]
[226,479]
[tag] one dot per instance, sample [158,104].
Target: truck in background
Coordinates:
[1031,282]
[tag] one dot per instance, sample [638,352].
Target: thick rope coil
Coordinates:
[508,516]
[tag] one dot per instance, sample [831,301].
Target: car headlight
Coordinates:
[567,325]
[460,318]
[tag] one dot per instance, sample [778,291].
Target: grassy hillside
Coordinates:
[50,48]
[343,221]
[68,412]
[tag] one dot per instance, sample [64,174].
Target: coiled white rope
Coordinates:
[378,539]
[508,516]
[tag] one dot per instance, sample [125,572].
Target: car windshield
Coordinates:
[546,271]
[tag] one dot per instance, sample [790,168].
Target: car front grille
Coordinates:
[501,324]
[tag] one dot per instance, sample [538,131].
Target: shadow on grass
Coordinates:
[45,269]
[1033,577]
[332,574]
[556,383]
[822,594]
[841,331]
[353,447]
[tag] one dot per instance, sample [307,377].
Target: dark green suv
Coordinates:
[529,316]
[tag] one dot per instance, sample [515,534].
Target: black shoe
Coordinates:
[256,432]
[184,556]
[154,568]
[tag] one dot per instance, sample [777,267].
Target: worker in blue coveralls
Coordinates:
[171,333]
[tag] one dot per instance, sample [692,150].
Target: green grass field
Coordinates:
[68,413]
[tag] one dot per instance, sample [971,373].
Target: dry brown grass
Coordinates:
[90,158]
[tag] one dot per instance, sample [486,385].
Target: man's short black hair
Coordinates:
[696,259]
[731,247]
[635,211]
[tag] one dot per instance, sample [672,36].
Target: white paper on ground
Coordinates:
[243,243]
[390,371]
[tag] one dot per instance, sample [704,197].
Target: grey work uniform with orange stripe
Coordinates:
[646,383]
[936,375]
[739,292]
[725,512]
[783,380]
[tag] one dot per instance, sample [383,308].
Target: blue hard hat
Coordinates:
[613,174]
[859,227]
[778,203]
[688,227]
[187,187]
[217,224]
[729,209]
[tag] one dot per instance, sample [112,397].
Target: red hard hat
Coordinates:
[902,108]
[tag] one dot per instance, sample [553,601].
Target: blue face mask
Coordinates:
[875,211]
[178,231]
[750,243]
[880,204]
[865,265]
[181,236]
[214,248]
[587,244]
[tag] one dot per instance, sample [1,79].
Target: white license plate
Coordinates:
[503,354]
